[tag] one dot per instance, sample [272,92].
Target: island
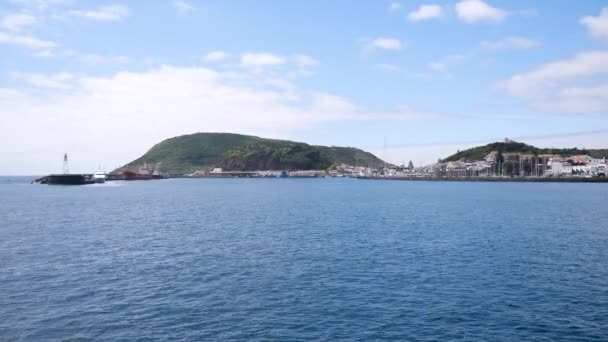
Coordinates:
[200,154]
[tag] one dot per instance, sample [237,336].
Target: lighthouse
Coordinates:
[66,167]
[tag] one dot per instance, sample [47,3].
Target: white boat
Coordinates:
[99,177]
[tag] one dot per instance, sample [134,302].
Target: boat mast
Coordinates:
[384,156]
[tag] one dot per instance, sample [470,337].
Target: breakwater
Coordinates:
[65,179]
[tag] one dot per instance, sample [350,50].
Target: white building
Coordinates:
[307,173]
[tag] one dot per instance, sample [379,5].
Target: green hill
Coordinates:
[478,153]
[200,151]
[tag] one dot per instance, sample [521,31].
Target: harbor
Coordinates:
[495,162]
[67,178]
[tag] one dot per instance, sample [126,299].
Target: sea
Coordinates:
[303,260]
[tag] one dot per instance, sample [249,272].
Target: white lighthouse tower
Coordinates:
[66,168]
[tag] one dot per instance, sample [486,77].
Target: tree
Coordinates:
[410,165]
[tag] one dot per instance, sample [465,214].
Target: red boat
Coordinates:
[143,173]
[129,175]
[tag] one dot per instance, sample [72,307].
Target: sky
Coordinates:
[105,80]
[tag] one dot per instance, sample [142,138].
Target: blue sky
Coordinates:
[105,80]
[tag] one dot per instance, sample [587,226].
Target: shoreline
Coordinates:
[496,179]
[406,178]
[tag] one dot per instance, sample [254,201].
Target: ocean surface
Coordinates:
[303,259]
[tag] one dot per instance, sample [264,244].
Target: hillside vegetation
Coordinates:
[202,151]
[478,153]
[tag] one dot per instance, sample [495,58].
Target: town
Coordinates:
[495,165]
[502,161]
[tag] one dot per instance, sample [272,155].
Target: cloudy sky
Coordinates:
[105,80]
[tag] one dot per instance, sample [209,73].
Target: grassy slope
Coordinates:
[198,151]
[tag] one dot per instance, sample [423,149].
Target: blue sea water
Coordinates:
[303,259]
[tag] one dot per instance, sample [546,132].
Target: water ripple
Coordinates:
[192,260]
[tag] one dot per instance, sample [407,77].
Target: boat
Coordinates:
[99,177]
[130,175]
[143,173]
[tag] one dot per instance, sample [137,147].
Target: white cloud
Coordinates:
[216,56]
[183,7]
[92,58]
[104,13]
[261,59]
[40,4]
[300,73]
[25,41]
[597,26]
[576,85]
[99,120]
[395,7]
[55,81]
[591,139]
[583,99]
[304,61]
[249,59]
[95,59]
[45,53]
[425,12]
[387,67]
[510,43]
[387,43]
[446,62]
[16,22]
[395,69]
[473,11]
[438,66]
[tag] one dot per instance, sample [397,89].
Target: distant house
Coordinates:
[481,166]
[582,159]
[307,173]
[511,156]
[526,156]
[557,159]
[454,166]
[560,168]
[491,157]
[596,161]
[578,165]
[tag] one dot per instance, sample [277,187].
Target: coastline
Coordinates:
[496,179]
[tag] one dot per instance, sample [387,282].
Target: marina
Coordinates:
[493,179]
